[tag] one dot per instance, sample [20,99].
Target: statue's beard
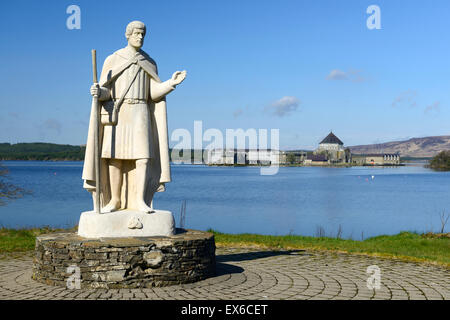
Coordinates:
[136,45]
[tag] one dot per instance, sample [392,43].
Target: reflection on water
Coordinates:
[297,200]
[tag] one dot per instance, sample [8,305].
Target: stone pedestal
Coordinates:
[126,223]
[140,262]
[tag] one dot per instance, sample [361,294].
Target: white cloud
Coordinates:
[52,124]
[351,75]
[337,75]
[406,98]
[237,113]
[283,107]
[13,115]
[435,107]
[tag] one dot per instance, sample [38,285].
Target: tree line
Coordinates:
[49,151]
[441,161]
[41,151]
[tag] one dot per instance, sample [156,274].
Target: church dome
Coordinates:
[332,139]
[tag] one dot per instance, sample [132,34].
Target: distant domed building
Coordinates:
[331,143]
[333,148]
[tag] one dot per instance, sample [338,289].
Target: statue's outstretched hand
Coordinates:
[178,77]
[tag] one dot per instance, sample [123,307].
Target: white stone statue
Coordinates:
[133,133]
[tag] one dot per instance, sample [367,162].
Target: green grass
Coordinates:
[430,248]
[405,245]
[12,240]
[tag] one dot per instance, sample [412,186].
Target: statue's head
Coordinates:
[135,34]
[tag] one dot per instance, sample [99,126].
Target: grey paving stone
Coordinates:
[259,274]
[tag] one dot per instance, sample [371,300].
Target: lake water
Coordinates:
[239,200]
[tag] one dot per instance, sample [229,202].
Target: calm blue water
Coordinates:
[237,200]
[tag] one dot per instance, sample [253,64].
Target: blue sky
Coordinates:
[303,67]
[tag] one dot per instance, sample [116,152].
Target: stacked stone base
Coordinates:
[62,258]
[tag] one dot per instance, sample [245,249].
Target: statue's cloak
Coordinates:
[159,169]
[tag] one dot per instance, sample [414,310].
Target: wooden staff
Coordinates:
[96,135]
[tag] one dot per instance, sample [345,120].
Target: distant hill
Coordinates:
[51,151]
[415,147]
[41,151]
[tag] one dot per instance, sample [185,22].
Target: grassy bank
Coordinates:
[12,240]
[405,245]
[430,248]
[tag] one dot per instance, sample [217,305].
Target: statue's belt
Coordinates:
[133,101]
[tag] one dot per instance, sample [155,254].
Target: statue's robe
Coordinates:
[141,131]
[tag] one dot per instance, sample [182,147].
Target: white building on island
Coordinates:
[333,149]
[331,143]
[242,157]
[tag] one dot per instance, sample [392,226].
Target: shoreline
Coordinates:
[236,165]
[308,166]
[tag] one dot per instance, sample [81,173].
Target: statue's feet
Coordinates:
[111,206]
[142,206]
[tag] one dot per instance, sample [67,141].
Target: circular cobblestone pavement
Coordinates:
[257,274]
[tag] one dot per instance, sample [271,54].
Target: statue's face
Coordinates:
[136,39]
